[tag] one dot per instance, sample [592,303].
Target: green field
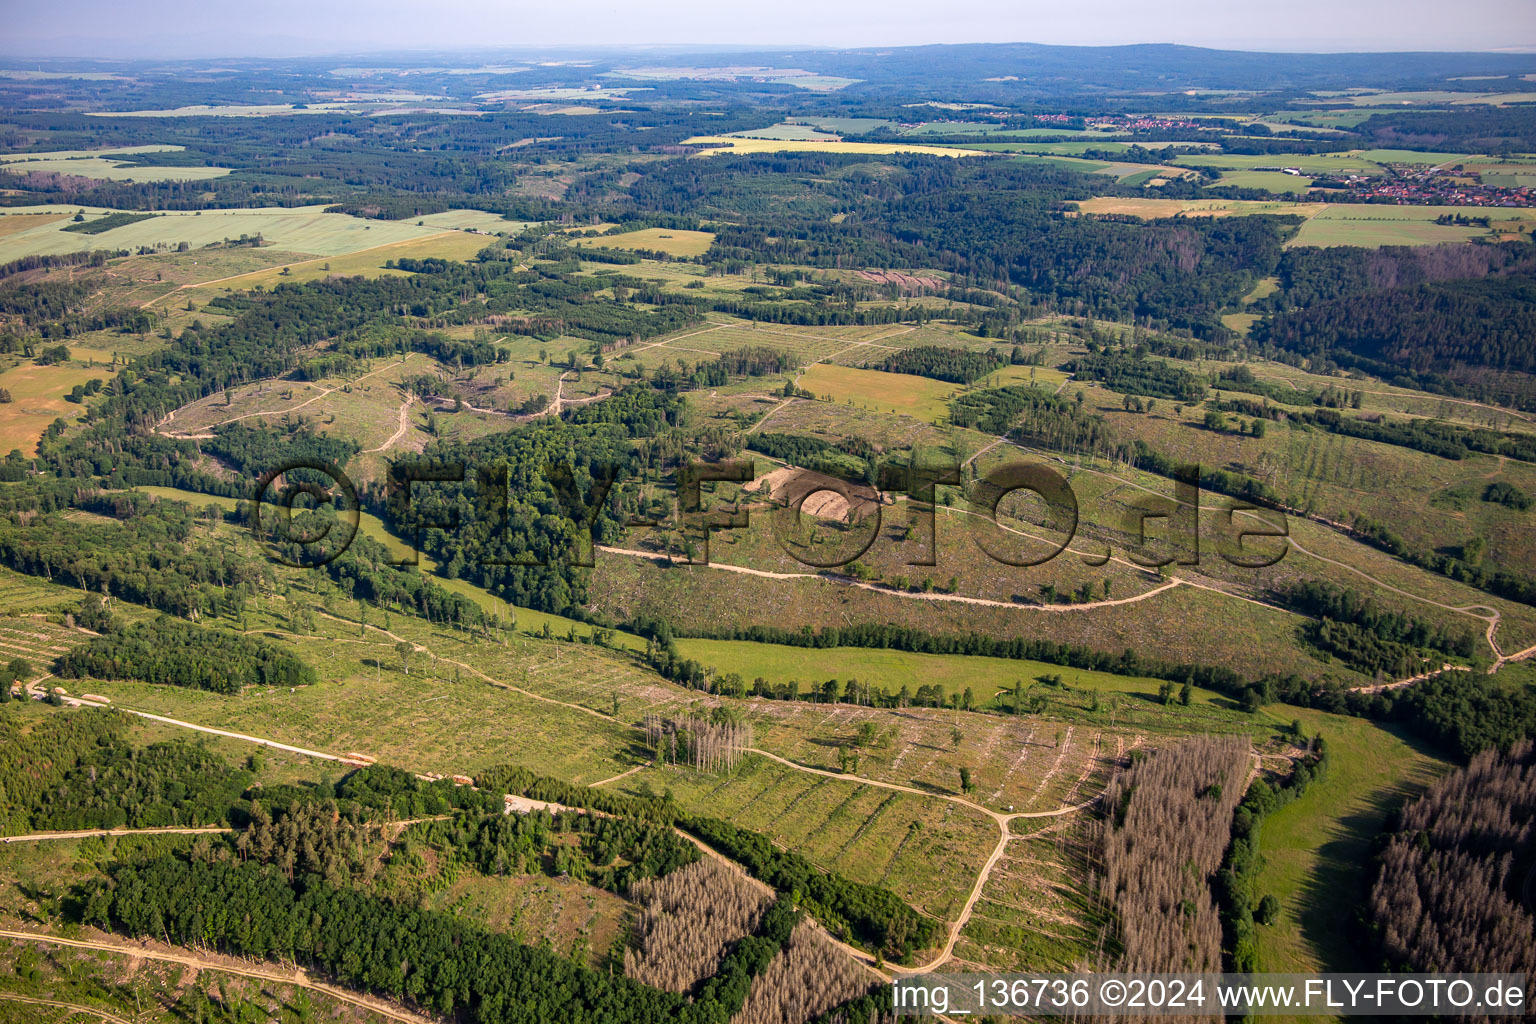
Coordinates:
[844,125]
[304,229]
[1271,181]
[786,132]
[903,393]
[1372,226]
[729,144]
[673,241]
[447,245]
[1316,851]
[1357,161]
[107,164]
[984,677]
[37,399]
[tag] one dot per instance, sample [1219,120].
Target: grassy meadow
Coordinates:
[1316,850]
[305,229]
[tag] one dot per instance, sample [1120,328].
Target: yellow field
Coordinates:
[37,399]
[472,220]
[303,229]
[10,224]
[448,245]
[734,145]
[902,393]
[673,242]
[1009,375]
[107,164]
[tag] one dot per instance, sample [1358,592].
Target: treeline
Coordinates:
[173,653]
[748,361]
[1468,712]
[1310,275]
[1463,713]
[1366,636]
[107,223]
[885,636]
[1434,437]
[956,365]
[1167,827]
[1222,481]
[1429,327]
[433,960]
[1037,417]
[851,459]
[93,258]
[1242,905]
[1132,373]
[1502,582]
[1453,892]
[867,914]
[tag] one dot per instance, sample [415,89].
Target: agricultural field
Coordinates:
[369,262]
[1372,226]
[1326,224]
[300,229]
[108,165]
[901,393]
[1359,161]
[731,144]
[1271,181]
[673,242]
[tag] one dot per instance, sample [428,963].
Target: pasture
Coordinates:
[305,229]
[1269,181]
[730,144]
[107,164]
[1320,845]
[447,245]
[986,678]
[1373,225]
[37,399]
[902,393]
[673,241]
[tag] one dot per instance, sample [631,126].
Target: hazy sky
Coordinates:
[163,28]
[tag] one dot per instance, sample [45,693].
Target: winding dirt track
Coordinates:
[400,431]
[1000,819]
[848,581]
[297,976]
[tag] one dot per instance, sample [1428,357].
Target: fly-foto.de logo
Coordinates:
[308,513]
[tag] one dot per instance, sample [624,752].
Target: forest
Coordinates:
[176,653]
[1422,328]
[1452,890]
[1163,838]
